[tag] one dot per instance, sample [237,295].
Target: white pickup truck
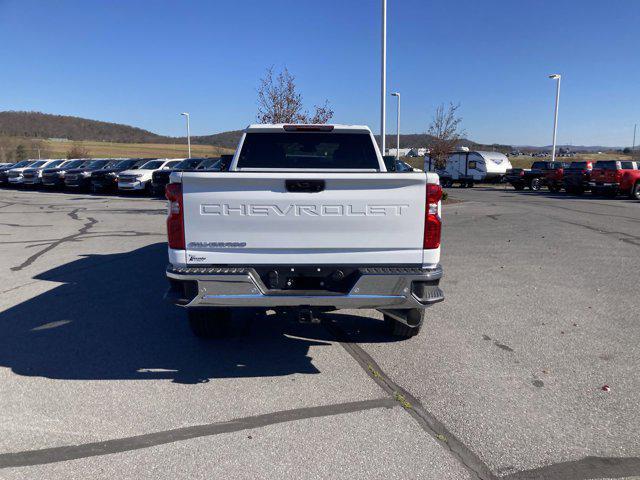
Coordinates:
[306,219]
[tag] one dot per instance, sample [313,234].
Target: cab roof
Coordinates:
[282,127]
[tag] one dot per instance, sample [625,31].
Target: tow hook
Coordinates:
[305,315]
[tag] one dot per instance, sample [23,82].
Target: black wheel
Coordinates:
[398,329]
[519,187]
[469,184]
[535,184]
[209,322]
[635,191]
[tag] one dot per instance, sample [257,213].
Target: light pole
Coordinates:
[397,94]
[188,132]
[558,77]
[383,93]
[633,145]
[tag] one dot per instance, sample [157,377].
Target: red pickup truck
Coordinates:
[576,178]
[613,177]
[553,177]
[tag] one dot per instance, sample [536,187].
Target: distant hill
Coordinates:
[228,139]
[44,125]
[411,140]
[574,148]
[38,125]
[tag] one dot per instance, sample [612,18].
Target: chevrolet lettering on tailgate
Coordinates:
[265,210]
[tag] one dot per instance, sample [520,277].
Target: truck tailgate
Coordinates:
[236,218]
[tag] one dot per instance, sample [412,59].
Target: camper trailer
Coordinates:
[469,167]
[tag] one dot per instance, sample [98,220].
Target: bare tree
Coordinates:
[21,153]
[446,133]
[78,151]
[322,114]
[279,102]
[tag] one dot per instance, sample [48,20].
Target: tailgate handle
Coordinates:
[308,186]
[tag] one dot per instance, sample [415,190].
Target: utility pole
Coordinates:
[558,77]
[185,114]
[383,93]
[633,145]
[397,94]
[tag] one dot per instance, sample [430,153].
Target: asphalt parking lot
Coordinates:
[101,379]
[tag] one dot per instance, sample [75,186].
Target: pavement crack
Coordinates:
[413,406]
[623,236]
[591,213]
[17,225]
[18,287]
[583,469]
[69,238]
[108,447]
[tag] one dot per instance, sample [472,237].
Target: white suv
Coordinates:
[16,175]
[140,178]
[33,175]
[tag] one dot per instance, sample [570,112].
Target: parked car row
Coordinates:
[603,178]
[148,175]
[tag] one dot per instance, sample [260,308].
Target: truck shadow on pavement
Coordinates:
[107,320]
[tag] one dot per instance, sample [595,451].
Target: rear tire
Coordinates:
[535,184]
[399,329]
[209,322]
[635,191]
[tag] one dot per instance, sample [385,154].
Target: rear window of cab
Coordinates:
[307,150]
[606,164]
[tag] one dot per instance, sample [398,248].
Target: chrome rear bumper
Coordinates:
[376,287]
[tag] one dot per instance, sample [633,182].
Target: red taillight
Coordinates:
[522,173]
[175,220]
[432,223]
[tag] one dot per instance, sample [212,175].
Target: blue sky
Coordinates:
[143,62]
